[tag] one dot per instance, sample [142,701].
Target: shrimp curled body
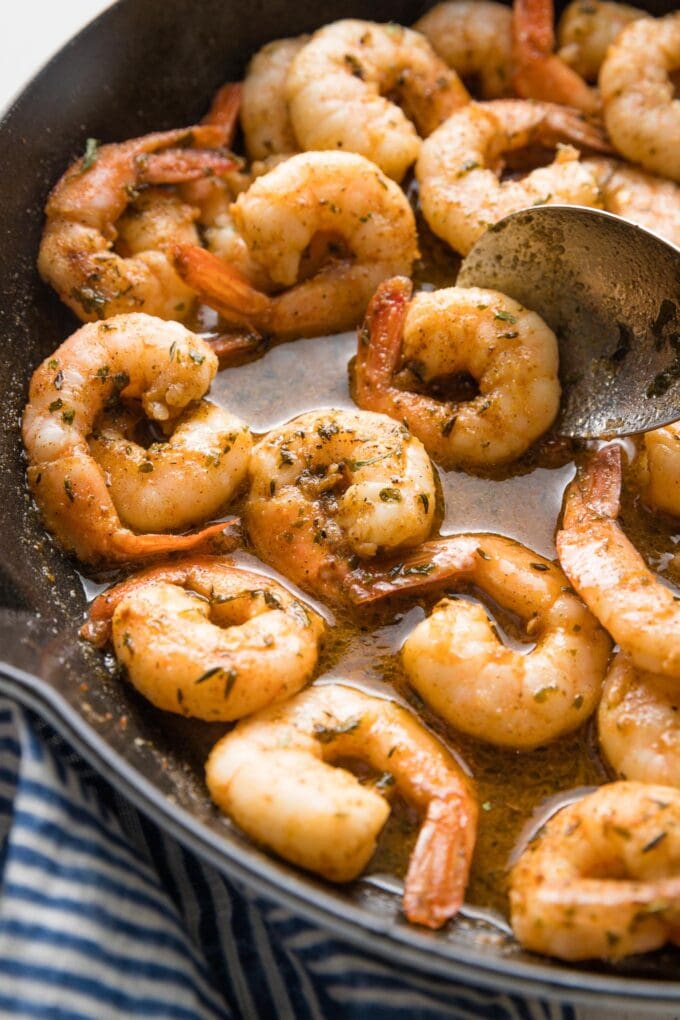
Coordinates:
[273,775]
[333,486]
[640,613]
[360,220]
[456,662]
[602,878]
[460,164]
[206,639]
[640,109]
[267,129]
[586,30]
[638,726]
[338,82]
[136,357]
[509,351]
[77,254]
[474,37]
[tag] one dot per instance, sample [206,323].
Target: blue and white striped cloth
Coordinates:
[102,916]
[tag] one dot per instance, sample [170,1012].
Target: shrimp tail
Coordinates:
[380,337]
[126,545]
[431,564]
[440,863]
[224,110]
[179,166]
[221,286]
[598,488]
[539,72]
[237,348]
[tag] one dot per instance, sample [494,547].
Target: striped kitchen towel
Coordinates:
[103,916]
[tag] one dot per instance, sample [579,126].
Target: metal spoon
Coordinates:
[611,292]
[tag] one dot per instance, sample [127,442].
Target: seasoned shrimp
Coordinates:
[265,120]
[509,351]
[641,613]
[602,878]
[328,227]
[638,92]
[455,660]
[206,455]
[459,166]
[77,255]
[645,199]
[273,775]
[474,37]
[587,28]
[206,639]
[539,73]
[133,356]
[338,84]
[334,486]
[638,724]
[660,469]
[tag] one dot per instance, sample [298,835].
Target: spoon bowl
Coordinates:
[610,290]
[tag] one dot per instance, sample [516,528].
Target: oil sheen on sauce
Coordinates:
[517,791]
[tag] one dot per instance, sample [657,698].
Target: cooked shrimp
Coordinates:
[455,659]
[339,203]
[267,129]
[338,83]
[587,28]
[273,775]
[602,878]
[638,724]
[133,356]
[206,639]
[77,253]
[206,455]
[459,166]
[645,199]
[539,73]
[509,351]
[474,37]
[638,93]
[334,486]
[640,613]
[660,469]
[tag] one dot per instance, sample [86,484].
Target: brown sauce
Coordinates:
[516,790]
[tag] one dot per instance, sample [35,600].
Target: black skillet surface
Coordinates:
[148,65]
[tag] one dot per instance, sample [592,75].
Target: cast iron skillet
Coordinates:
[148,65]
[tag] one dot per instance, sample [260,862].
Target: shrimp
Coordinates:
[77,255]
[206,455]
[327,227]
[333,487]
[539,73]
[459,166]
[602,878]
[645,199]
[273,775]
[267,129]
[206,639]
[640,111]
[641,613]
[638,726]
[509,351]
[474,37]
[587,28]
[660,469]
[455,660]
[133,356]
[338,84]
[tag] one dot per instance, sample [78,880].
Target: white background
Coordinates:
[31,31]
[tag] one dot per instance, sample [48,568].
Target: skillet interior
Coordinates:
[146,65]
